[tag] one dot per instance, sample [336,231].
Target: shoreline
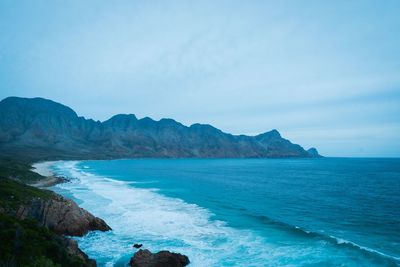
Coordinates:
[42,168]
[140,257]
[50,179]
[41,217]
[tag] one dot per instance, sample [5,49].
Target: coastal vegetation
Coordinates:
[26,241]
[18,168]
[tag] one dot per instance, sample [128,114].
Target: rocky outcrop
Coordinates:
[61,215]
[144,258]
[313,152]
[51,217]
[73,250]
[45,129]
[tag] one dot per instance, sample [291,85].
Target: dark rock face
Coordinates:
[61,215]
[144,258]
[73,249]
[44,127]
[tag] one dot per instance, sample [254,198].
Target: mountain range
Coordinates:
[45,129]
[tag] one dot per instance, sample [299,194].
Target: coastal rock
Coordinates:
[39,246]
[61,215]
[73,250]
[144,258]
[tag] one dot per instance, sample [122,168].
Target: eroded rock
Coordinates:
[144,258]
[61,215]
[73,249]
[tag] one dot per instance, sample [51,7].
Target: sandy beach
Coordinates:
[43,168]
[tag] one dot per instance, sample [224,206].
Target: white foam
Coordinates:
[344,241]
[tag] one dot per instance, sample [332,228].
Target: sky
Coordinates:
[326,74]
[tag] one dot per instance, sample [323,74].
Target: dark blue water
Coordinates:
[259,212]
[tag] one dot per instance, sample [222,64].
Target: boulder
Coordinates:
[61,215]
[144,258]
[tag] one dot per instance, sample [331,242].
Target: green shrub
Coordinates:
[23,243]
[14,193]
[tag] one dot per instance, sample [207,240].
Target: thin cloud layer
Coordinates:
[324,74]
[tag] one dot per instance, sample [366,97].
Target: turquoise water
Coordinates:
[242,212]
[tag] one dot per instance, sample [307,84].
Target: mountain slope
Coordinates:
[48,129]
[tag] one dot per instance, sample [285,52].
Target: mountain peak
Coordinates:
[270,135]
[35,105]
[124,117]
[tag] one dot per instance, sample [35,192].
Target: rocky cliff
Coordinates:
[34,223]
[62,216]
[46,129]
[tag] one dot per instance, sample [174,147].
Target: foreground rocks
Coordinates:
[73,249]
[144,258]
[34,222]
[61,215]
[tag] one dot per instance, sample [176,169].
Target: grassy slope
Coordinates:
[18,169]
[14,193]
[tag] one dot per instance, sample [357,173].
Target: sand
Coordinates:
[43,168]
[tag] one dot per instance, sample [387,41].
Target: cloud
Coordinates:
[245,67]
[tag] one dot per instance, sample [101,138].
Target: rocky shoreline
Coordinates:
[49,181]
[59,214]
[35,223]
[65,217]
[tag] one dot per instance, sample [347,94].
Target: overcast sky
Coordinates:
[324,73]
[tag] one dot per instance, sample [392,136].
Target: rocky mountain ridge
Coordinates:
[43,127]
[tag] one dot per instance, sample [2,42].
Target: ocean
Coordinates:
[241,212]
